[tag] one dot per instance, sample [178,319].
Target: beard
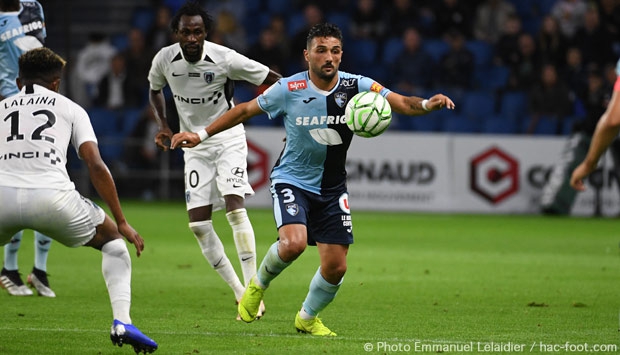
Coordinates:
[326,76]
[192,53]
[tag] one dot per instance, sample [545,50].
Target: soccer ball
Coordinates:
[368,114]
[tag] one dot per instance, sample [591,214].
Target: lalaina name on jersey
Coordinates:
[22,101]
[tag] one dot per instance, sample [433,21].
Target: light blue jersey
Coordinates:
[20,31]
[317,137]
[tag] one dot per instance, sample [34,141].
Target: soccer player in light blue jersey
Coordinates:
[308,183]
[22,27]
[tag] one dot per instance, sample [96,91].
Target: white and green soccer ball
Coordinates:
[368,114]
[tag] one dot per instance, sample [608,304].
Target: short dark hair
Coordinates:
[41,64]
[191,8]
[324,30]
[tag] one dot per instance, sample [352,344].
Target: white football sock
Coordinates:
[213,250]
[243,234]
[116,267]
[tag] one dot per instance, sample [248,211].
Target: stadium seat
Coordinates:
[482,51]
[431,122]
[391,49]
[491,77]
[130,119]
[143,18]
[477,105]
[120,41]
[362,54]
[436,48]
[296,22]
[459,124]
[513,105]
[282,7]
[568,124]
[500,125]
[340,19]
[103,121]
[254,23]
[525,8]
[546,125]
[545,6]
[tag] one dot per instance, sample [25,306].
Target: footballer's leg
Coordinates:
[323,289]
[202,193]
[213,250]
[38,276]
[280,255]
[116,268]
[243,235]
[9,276]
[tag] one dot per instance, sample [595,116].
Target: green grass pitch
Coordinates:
[423,283]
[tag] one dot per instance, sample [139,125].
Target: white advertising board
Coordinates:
[404,171]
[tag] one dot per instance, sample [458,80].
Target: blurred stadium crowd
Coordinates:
[511,66]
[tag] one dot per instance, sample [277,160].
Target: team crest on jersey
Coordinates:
[187,196]
[208,76]
[297,85]
[292,209]
[376,87]
[340,98]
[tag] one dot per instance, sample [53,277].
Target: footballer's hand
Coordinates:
[185,140]
[580,173]
[439,101]
[162,139]
[132,236]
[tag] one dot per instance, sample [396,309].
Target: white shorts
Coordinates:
[214,172]
[63,215]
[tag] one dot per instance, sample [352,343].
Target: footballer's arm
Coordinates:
[158,104]
[413,105]
[272,78]
[238,114]
[103,182]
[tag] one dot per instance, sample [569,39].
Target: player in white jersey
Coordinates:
[310,199]
[36,192]
[200,75]
[22,28]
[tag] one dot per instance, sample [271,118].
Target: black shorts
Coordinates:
[327,217]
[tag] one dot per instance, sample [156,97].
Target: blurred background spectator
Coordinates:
[456,67]
[413,70]
[550,100]
[569,14]
[91,65]
[490,18]
[159,34]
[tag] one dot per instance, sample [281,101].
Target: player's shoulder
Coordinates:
[347,75]
[294,83]
[169,54]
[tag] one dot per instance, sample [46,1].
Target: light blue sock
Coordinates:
[10,251]
[42,244]
[271,266]
[321,294]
